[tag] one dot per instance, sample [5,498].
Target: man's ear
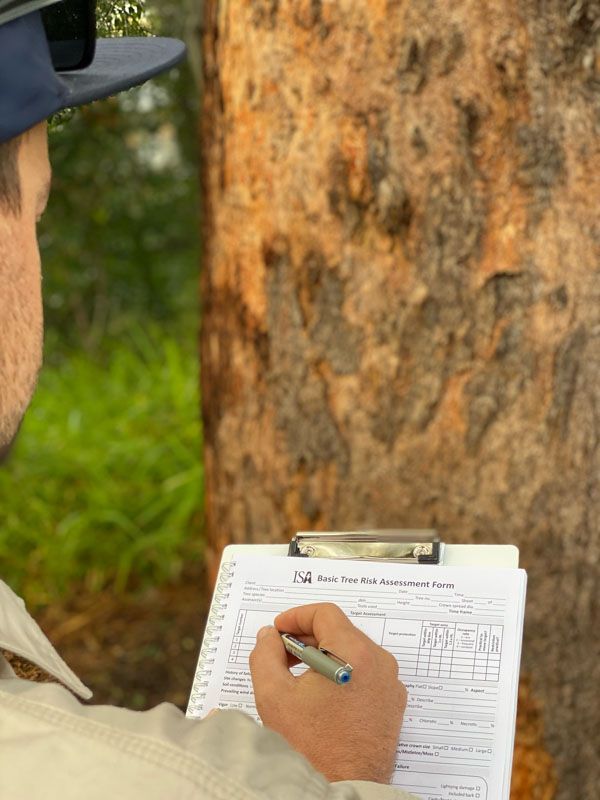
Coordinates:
[10,183]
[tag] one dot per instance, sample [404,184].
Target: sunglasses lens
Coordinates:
[71,31]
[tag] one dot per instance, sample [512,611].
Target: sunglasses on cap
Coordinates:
[71,31]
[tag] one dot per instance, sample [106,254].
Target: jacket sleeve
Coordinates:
[153,754]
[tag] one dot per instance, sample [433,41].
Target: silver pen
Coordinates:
[322,661]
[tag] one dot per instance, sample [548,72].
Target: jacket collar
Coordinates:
[20,634]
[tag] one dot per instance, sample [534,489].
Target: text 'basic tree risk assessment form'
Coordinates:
[456,634]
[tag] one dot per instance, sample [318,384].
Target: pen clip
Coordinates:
[341,661]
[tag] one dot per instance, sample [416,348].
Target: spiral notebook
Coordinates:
[455,630]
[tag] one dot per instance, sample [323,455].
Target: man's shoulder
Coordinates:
[155,754]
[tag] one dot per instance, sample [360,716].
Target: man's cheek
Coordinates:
[21,327]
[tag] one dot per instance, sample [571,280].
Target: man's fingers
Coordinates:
[310,619]
[269,663]
[324,622]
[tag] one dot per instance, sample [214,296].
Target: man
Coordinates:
[319,740]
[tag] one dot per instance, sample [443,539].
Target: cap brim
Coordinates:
[120,64]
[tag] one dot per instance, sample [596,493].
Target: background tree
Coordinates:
[401,317]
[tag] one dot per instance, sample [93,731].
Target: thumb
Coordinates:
[268,663]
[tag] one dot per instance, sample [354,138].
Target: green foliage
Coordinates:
[121,19]
[105,482]
[120,237]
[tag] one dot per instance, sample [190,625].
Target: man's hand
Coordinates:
[347,732]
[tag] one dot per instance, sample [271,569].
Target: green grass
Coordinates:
[104,486]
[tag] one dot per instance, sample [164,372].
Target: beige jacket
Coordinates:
[52,746]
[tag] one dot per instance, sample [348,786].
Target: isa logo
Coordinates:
[302,577]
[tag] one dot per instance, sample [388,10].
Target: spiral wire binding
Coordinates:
[214,626]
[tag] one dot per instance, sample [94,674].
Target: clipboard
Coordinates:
[449,636]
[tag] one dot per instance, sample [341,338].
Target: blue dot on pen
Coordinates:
[344,677]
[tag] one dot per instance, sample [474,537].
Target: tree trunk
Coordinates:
[401,296]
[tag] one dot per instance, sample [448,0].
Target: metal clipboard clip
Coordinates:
[400,545]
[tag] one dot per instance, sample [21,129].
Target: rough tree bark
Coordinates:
[401,295]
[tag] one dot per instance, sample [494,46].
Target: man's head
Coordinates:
[24,187]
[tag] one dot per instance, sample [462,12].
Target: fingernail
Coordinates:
[264,632]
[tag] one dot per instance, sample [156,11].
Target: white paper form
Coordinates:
[456,633]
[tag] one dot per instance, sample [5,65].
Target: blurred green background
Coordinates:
[104,487]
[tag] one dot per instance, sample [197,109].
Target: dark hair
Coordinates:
[10,187]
